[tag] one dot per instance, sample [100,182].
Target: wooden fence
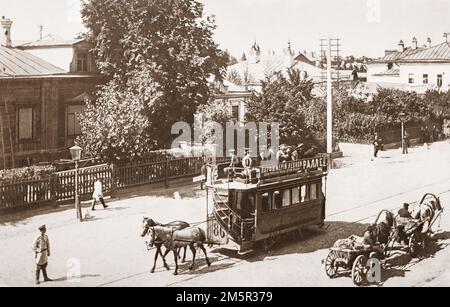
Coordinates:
[61,186]
[28,193]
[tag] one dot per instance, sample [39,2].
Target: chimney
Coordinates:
[428,44]
[446,37]
[41,31]
[401,46]
[414,43]
[6,25]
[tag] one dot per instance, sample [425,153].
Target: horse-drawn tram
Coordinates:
[259,205]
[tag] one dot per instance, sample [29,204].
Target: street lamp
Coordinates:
[402,117]
[75,152]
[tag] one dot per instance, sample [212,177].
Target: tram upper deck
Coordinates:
[227,177]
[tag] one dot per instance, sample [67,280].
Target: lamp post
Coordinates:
[75,152]
[402,117]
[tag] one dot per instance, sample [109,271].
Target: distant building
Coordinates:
[258,67]
[413,68]
[43,88]
[236,96]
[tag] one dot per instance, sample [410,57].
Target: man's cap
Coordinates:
[42,228]
[405,205]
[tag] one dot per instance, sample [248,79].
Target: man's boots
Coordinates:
[44,271]
[38,273]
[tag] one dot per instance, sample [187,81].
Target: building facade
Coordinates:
[43,89]
[413,68]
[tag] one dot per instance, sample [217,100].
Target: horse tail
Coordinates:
[202,238]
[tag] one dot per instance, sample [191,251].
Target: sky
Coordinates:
[366,27]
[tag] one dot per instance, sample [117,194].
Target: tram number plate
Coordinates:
[216,234]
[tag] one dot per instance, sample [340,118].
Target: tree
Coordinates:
[243,57]
[234,77]
[289,101]
[215,112]
[172,42]
[231,60]
[116,126]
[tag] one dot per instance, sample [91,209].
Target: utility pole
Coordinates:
[329,101]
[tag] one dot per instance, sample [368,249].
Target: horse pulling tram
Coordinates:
[258,205]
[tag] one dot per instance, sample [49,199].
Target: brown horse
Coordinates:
[173,239]
[178,225]
[381,232]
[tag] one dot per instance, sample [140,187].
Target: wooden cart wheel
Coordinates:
[359,270]
[331,268]
[415,245]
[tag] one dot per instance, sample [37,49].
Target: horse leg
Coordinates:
[175,256]
[206,256]
[158,251]
[164,259]
[193,256]
[178,252]
[184,255]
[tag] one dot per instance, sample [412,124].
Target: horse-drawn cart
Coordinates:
[357,255]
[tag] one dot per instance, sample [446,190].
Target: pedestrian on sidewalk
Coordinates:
[405,143]
[97,196]
[41,248]
[377,145]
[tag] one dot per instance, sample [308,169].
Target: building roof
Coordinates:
[18,63]
[391,72]
[51,40]
[255,72]
[438,53]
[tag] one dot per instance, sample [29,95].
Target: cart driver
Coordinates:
[404,212]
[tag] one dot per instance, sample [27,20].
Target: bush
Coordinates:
[26,174]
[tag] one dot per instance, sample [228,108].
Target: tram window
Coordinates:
[265,202]
[313,191]
[277,200]
[286,198]
[239,200]
[296,196]
[302,193]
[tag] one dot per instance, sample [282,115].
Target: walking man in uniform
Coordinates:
[41,248]
[97,196]
[377,145]
[405,143]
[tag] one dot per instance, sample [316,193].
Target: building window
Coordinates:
[73,120]
[25,121]
[235,112]
[425,79]
[82,62]
[439,80]
[411,78]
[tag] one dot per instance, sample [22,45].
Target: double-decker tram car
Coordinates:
[257,206]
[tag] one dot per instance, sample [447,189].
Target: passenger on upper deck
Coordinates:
[247,163]
[233,164]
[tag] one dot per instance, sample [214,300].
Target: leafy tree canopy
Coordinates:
[171,41]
